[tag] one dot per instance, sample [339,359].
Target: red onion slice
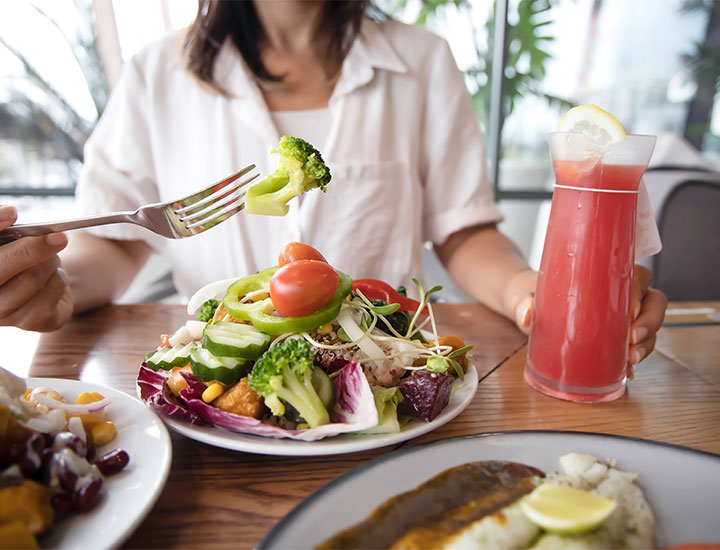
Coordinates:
[72,408]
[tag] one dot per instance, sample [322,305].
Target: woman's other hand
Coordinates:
[34,294]
[647,306]
[648,310]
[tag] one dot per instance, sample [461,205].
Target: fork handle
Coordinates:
[15,232]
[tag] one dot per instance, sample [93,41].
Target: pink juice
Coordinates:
[580,328]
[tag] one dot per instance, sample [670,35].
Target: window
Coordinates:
[652,64]
[58,60]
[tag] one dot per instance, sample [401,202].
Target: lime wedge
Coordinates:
[599,126]
[564,510]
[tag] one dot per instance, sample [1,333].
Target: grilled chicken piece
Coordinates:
[241,399]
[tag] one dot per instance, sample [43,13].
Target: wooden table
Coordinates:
[216,498]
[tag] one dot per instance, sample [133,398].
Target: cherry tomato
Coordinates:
[375,289]
[302,287]
[298,251]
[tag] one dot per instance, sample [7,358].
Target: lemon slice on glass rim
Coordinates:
[597,125]
[566,510]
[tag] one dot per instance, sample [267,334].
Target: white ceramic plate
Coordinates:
[682,485]
[345,443]
[129,495]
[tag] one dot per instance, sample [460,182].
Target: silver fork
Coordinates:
[172,219]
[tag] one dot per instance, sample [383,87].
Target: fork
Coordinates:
[172,219]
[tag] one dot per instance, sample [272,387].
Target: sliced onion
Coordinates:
[212,290]
[75,426]
[192,330]
[359,336]
[195,328]
[180,336]
[71,408]
[51,422]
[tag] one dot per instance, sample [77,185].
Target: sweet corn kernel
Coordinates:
[212,392]
[89,420]
[45,391]
[325,329]
[52,394]
[176,385]
[303,426]
[103,433]
[88,397]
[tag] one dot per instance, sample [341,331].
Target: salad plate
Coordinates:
[339,444]
[300,359]
[129,495]
[682,485]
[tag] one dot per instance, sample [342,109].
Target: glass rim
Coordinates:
[570,132]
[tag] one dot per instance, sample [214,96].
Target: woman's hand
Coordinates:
[648,309]
[647,306]
[34,294]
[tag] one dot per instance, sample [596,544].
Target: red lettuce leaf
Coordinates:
[354,406]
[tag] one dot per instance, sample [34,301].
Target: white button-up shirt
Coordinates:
[404,149]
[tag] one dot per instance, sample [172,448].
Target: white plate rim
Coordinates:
[339,444]
[67,529]
[280,528]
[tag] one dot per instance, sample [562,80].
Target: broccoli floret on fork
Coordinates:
[300,169]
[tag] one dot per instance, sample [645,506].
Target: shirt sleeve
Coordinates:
[118,172]
[457,192]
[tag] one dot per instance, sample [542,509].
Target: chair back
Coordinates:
[688,266]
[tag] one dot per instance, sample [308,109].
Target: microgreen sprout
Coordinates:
[439,358]
[424,301]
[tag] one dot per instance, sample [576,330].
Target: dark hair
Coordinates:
[218,19]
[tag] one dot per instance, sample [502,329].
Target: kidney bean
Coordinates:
[112,462]
[68,439]
[34,449]
[15,453]
[44,474]
[91,450]
[4,454]
[67,477]
[61,503]
[88,494]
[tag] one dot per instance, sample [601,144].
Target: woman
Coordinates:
[383,101]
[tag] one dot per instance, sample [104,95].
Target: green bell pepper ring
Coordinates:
[260,313]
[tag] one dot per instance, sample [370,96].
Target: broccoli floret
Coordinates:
[284,375]
[207,310]
[300,169]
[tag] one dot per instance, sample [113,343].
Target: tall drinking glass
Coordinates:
[578,348]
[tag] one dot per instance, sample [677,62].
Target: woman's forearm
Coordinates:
[99,270]
[488,266]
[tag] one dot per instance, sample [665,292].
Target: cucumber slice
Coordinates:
[168,357]
[209,368]
[225,339]
[324,388]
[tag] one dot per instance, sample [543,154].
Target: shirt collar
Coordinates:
[231,72]
[371,50]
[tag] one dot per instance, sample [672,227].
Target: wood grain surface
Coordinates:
[215,498]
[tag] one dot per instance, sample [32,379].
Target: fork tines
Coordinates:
[215,204]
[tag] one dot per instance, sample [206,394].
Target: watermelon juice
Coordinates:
[580,325]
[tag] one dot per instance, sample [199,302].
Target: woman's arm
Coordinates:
[488,266]
[99,270]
